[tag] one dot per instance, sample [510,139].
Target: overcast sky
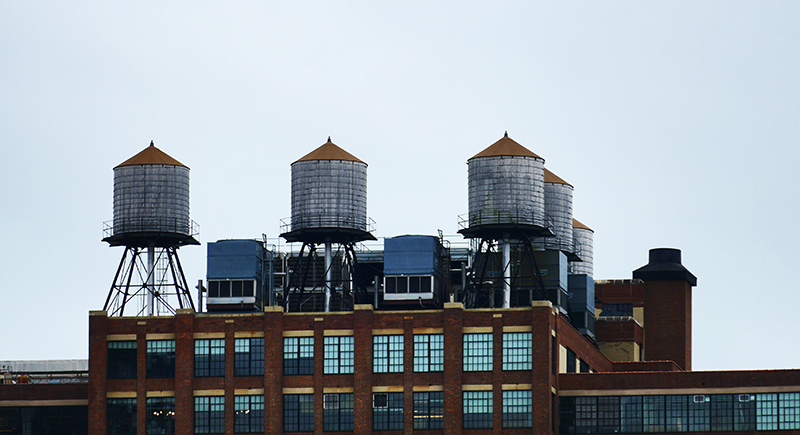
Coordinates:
[677,123]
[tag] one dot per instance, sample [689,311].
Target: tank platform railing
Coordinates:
[496,217]
[150,225]
[326,221]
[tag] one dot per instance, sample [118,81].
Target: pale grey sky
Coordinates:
[677,123]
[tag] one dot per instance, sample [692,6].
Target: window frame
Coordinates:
[517,351]
[248,356]
[478,352]
[342,416]
[209,357]
[338,355]
[389,417]
[388,353]
[160,359]
[298,356]
[478,400]
[209,414]
[163,425]
[248,414]
[428,353]
[298,412]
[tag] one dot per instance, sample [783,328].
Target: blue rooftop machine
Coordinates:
[412,271]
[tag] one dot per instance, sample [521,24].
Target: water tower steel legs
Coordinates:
[151,261]
[328,276]
[506,274]
[135,278]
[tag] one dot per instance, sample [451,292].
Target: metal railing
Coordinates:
[147,225]
[327,221]
[492,217]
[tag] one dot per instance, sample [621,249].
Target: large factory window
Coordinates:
[209,357]
[121,360]
[517,350]
[120,416]
[478,352]
[249,414]
[477,409]
[161,359]
[298,355]
[160,415]
[429,410]
[517,409]
[428,352]
[680,413]
[338,355]
[337,412]
[387,411]
[249,357]
[298,413]
[789,411]
[387,353]
[209,414]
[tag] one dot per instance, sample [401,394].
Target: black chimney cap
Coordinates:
[665,265]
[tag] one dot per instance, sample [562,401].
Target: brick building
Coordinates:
[439,371]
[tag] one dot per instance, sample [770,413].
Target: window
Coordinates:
[298,355]
[429,353]
[298,413]
[387,411]
[571,360]
[721,412]
[232,288]
[209,357]
[338,355]
[160,415]
[653,407]
[477,352]
[622,309]
[248,357]
[699,412]
[630,408]
[789,414]
[249,414]
[477,409]
[677,413]
[121,360]
[744,408]
[387,353]
[209,414]
[517,409]
[121,416]
[517,350]
[429,410]
[608,414]
[161,359]
[337,412]
[767,411]
[585,414]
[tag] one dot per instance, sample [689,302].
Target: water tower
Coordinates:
[329,208]
[151,220]
[506,210]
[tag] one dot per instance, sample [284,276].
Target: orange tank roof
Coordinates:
[505,147]
[151,156]
[329,151]
[550,177]
[577,224]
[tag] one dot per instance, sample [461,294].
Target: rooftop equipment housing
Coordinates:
[584,245]
[239,274]
[151,215]
[413,270]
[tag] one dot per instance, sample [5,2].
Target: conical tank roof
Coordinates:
[329,151]
[550,177]
[506,147]
[151,156]
[577,224]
